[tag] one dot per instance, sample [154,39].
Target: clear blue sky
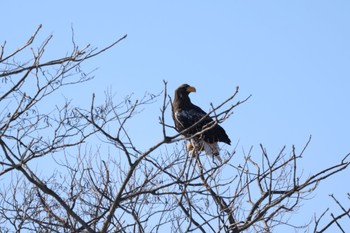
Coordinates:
[292,56]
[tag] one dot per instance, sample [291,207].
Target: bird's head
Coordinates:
[184,90]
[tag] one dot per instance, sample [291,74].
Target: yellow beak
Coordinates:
[191,89]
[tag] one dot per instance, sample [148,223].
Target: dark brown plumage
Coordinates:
[185,114]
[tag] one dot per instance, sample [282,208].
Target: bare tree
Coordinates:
[322,225]
[100,181]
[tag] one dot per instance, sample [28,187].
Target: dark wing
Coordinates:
[216,134]
[188,117]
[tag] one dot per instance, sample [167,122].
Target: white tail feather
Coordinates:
[210,149]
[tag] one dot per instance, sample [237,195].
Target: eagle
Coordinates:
[185,114]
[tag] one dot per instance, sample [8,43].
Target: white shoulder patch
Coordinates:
[190,114]
[177,115]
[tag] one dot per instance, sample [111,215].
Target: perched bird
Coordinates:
[186,114]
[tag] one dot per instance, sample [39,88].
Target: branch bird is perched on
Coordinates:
[186,114]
